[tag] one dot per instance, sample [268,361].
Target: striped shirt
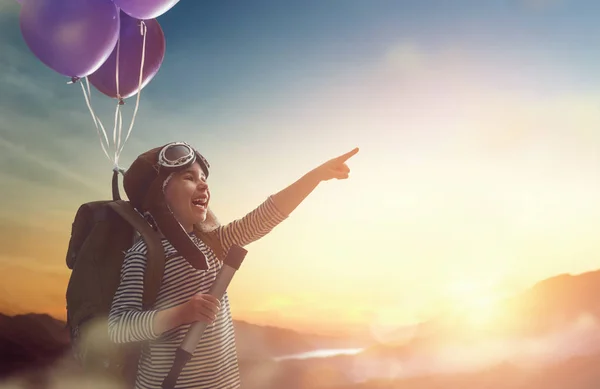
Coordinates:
[214,364]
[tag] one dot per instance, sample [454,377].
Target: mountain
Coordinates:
[546,337]
[260,342]
[556,307]
[30,341]
[552,303]
[36,340]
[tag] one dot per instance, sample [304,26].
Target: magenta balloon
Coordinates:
[72,37]
[130,57]
[145,9]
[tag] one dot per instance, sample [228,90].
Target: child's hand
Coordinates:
[201,307]
[335,168]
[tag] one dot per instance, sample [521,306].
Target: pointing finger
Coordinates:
[346,156]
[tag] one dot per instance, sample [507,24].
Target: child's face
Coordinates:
[187,196]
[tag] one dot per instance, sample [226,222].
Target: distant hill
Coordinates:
[546,337]
[36,340]
[551,306]
[552,303]
[33,340]
[259,342]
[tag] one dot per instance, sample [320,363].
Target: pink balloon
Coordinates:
[130,56]
[145,9]
[72,37]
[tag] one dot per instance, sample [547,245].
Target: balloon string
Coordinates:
[89,92]
[118,125]
[143,31]
[117,70]
[120,129]
[116,128]
[96,120]
[89,102]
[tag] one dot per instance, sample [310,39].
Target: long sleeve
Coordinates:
[251,227]
[126,320]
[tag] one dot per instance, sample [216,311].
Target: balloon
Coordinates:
[145,9]
[130,57]
[72,37]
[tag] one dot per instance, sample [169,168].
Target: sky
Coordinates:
[478,172]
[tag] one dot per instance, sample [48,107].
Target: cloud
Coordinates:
[20,152]
[576,339]
[477,101]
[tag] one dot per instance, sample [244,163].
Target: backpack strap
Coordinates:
[211,239]
[155,263]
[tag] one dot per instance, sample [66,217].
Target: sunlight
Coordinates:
[476,301]
[480,310]
[386,326]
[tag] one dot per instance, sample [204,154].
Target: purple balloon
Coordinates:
[72,37]
[145,9]
[130,57]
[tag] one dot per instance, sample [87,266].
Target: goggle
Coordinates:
[180,155]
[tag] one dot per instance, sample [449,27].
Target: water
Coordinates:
[322,353]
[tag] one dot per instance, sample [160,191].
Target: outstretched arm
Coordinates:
[277,207]
[289,198]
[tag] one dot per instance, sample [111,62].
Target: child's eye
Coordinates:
[189,178]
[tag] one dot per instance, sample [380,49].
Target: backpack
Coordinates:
[101,233]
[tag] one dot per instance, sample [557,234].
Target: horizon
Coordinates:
[360,335]
[477,176]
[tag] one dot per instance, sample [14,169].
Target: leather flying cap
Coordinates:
[138,179]
[143,183]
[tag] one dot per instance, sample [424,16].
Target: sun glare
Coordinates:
[480,311]
[475,301]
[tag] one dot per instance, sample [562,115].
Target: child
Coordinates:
[174,178]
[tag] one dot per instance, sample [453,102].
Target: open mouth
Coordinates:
[200,202]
